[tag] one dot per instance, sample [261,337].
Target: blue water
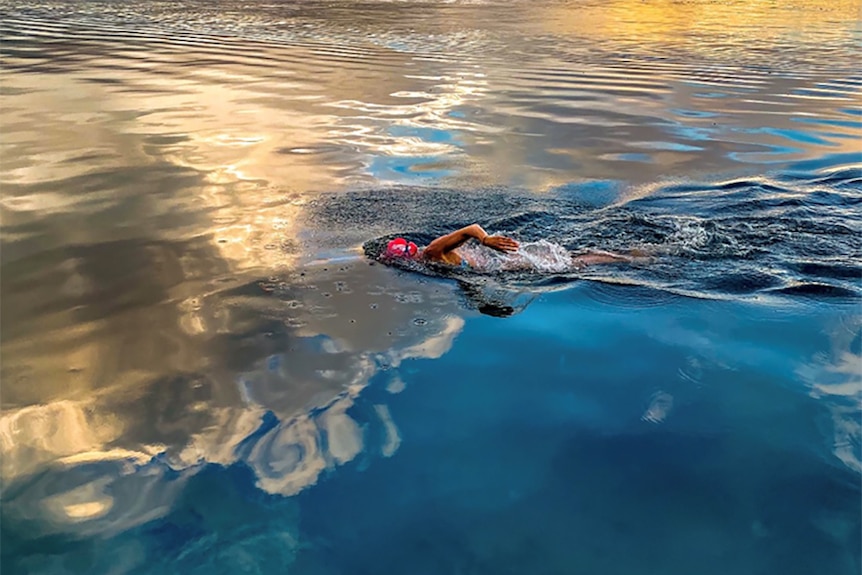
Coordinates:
[205,369]
[529,445]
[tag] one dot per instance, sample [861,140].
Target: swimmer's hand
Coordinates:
[501,244]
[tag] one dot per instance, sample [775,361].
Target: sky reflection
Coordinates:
[286,410]
[169,300]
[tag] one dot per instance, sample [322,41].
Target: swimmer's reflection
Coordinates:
[496,302]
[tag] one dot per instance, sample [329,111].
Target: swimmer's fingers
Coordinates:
[501,243]
[508,244]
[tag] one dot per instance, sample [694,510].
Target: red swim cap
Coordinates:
[400,248]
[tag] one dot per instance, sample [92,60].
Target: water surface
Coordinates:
[203,372]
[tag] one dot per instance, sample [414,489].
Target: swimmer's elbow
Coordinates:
[437,249]
[475,231]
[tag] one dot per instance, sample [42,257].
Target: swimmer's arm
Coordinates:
[445,244]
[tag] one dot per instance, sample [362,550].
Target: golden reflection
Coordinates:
[72,432]
[83,503]
[738,70]
[474,120]
[188,421]
[701,25]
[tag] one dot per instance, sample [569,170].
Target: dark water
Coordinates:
[202,372]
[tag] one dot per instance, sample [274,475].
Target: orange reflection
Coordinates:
[309,378]
[702,25]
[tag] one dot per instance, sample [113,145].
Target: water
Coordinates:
[203,372]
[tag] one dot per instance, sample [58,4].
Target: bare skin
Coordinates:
[443,249]
[598,257]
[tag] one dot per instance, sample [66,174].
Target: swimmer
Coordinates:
[445,249]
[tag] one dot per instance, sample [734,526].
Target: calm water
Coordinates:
[202,372]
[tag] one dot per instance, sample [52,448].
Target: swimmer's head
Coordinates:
[400,248]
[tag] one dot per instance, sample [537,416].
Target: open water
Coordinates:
[205,371]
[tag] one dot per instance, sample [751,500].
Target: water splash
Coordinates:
[540,256]
[796,236]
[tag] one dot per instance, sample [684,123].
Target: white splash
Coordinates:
[540,256]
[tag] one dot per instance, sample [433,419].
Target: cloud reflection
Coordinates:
[152,178]
[114,460]
[835,380]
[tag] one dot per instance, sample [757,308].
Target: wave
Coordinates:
[788,236]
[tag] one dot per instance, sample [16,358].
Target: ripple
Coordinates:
[629,296]
[819,291]
[171,168]
[285,59]
[734,238]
